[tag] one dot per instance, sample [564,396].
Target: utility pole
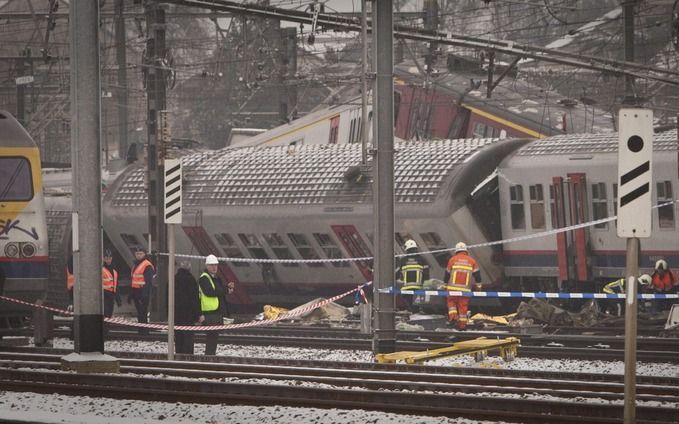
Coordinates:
[21,85]
[628,35]
[364,83]
[154,67]
[288,57]
[86,159]
[121,58]
[384,337]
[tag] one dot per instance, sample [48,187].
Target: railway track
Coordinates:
[521,396]
[534,346]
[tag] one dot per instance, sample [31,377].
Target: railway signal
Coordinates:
[635,151]
[173,191]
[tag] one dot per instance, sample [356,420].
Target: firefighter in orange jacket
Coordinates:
[140,288]
[461,267]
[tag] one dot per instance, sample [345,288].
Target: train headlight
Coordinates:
[12,250]
[27,250]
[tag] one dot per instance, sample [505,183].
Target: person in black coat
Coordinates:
[186,307]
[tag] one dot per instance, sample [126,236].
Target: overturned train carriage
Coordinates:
[315,202]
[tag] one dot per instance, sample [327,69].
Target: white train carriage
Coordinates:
[313,202]
[564,180]
[23,229]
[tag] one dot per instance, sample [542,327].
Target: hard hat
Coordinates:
[107,253]
[645,280]
[461,247]
[661,265]
[211,260]
[410,244]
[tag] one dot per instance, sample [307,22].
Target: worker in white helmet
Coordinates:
[615,306]
[459,272]
[664,281]
[412,270]
[213,306]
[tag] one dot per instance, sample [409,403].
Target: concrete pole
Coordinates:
[86,162]
[631,273]
[384,338]
[170,293]
[364,83]
[628,35]
[121,59]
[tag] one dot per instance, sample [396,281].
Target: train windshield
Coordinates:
[16,183]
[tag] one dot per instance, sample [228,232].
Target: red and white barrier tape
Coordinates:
[288,315]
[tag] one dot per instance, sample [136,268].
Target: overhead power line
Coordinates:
[332,21]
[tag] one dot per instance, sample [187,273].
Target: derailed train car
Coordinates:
[314,202]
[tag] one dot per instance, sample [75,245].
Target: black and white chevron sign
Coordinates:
[173,191]
[635,172]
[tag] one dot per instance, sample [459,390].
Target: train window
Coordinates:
[305,249]
[665,213]
[537,207]
[352,127]
[16,182]
[231,250]
[479,130]
[330,248]
[251,243]
[599,204]
[434,242]
[516,207]
[130,241]
[279,248]
[334,129]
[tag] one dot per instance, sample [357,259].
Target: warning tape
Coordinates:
[300,310]
[539,295]
[430,252]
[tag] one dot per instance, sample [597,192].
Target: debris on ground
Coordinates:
[541,311]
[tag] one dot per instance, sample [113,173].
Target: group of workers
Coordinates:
[662,281]
[196,303]
[413,271]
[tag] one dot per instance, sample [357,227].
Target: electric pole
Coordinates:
[155,77]
[121,58]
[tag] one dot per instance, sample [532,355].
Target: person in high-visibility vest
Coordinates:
[664,281]
[459,272]
[411,272]
[109,278]
[140,287]
[213,307]
[615,306]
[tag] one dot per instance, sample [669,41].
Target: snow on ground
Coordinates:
[31,407]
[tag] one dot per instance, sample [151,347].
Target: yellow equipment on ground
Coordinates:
[477,347]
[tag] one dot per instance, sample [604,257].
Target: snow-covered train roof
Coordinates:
[308,174]
[570,144]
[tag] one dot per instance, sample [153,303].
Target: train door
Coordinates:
[569,208]
[356,247]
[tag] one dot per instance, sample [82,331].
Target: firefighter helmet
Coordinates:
[661,265]
[645,280]
[461,247]
[410,244]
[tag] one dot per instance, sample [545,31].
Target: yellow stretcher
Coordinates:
[478,348]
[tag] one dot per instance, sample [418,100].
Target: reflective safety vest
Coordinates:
[461,267]
[208,303]
[412,274]
[615,287]
[664,282]
[138,274]
[109,281]
[70,279]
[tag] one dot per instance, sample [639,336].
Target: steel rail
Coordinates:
[452,405]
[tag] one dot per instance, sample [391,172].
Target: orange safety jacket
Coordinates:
[664,282]
[138,274]
[109,281]
[70,279]
[461,267]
